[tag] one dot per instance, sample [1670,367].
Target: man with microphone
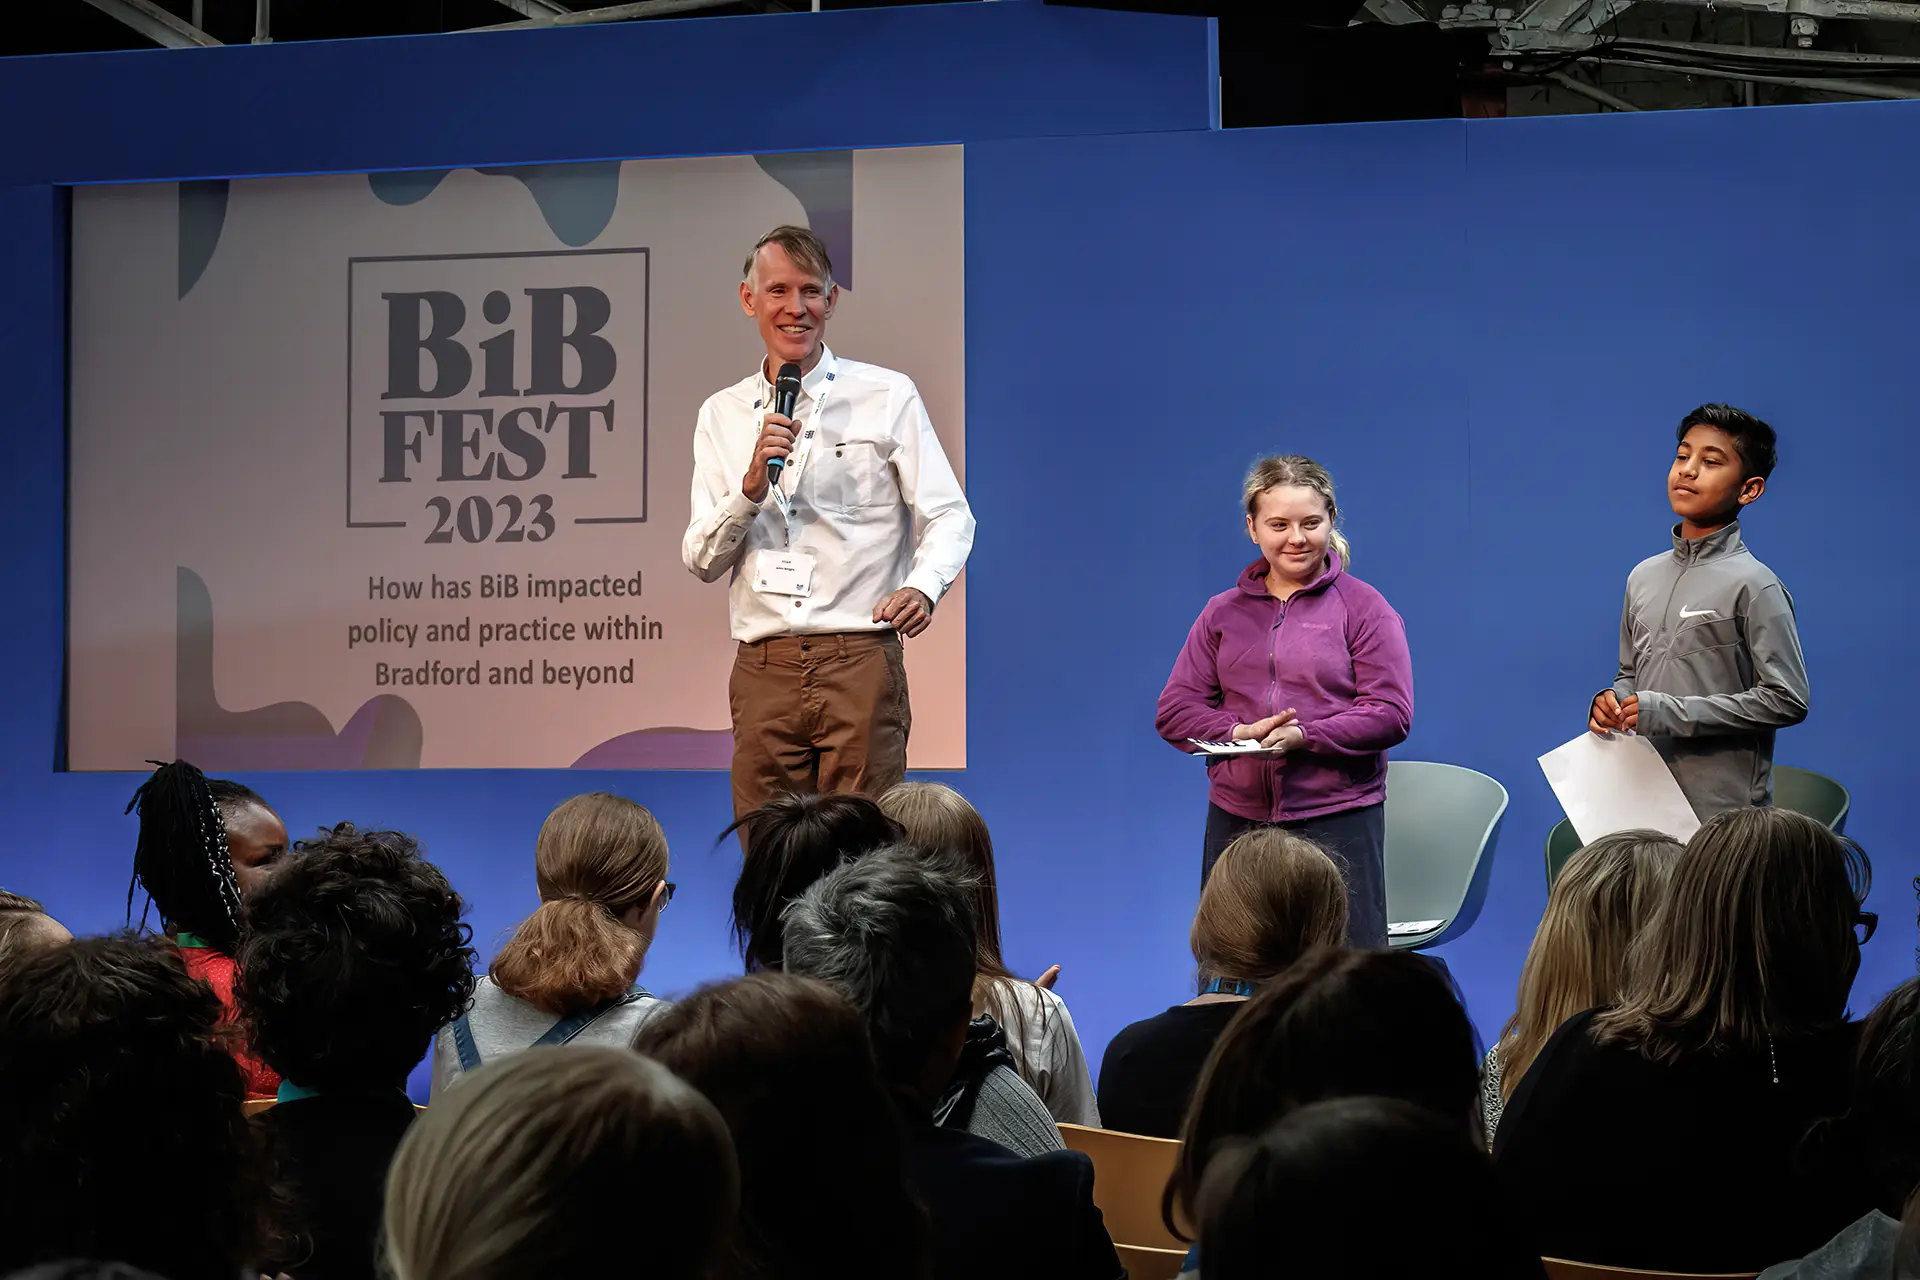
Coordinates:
[819,484]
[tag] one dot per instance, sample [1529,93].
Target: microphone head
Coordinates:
[789,373]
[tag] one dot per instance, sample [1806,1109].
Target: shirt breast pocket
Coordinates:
[853,475]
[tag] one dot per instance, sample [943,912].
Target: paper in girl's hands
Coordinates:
[1616,782]
[1245,747]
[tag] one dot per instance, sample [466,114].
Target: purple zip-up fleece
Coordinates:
[1336,652]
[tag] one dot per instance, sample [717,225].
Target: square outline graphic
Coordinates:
[646,365]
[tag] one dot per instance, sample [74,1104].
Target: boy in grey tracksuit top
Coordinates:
[1710,662]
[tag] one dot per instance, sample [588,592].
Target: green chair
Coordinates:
[1801,790]
[1814,794]
[1442,823]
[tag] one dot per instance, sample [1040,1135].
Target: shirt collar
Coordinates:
[810,383]
[1721,542]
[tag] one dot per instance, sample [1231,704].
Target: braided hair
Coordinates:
[181,858]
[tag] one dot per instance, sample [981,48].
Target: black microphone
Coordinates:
[786,393]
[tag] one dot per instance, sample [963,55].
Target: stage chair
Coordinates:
[1562,843]
[1143,1263]
[1442,823]
[1560,1269]
[1801,790]
[1814,794]
[1130,1172]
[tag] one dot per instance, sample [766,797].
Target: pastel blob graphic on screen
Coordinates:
[385,733]
[576,200]
[203,215]
[822,181]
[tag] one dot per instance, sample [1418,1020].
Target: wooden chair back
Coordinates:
[1130,1173]
[1143,1263]
[1561,1269]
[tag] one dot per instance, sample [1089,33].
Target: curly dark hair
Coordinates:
[790,842]
[355,954]
[121,1110]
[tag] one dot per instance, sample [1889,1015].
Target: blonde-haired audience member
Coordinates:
[1667,1132]
[1273,897]
[1040,1031]
[1604,898]
[25,927]
[521,1172]
[568,973]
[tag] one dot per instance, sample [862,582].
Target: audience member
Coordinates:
[354,954]
[1309,1198]
[121,1131]
[558,1163]
[1603,898]
[1336,1024]
[569,971]
[1273,897]
[821,1150]
[1869,1159]
[205,845]
[788,843]
[984,1094]
[1040,1032]
[894,933]
[25,927]
[1662,1133]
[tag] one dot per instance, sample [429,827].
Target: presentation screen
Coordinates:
[391,470]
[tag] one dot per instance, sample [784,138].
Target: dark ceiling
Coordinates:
[74,26]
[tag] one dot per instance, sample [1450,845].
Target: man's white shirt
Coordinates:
[872,498]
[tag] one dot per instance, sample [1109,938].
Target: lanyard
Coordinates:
[1228,987]
[804,449]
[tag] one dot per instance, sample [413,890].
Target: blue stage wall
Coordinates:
[1487,330]
[697,86]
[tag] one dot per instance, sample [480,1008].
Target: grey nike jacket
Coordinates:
[1708,643]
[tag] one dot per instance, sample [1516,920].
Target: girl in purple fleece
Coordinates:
[1311,662]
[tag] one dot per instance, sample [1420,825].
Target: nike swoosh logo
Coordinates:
[1697,613]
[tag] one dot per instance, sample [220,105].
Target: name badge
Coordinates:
[783,573]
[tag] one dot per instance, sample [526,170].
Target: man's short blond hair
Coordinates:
[804,247]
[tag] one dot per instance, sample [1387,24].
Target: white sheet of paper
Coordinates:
[1614,783]
[1244,747]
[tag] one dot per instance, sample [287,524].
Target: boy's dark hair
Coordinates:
[1752,438]
[791,841]
[121,1129]
[181,857]
[355,955]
